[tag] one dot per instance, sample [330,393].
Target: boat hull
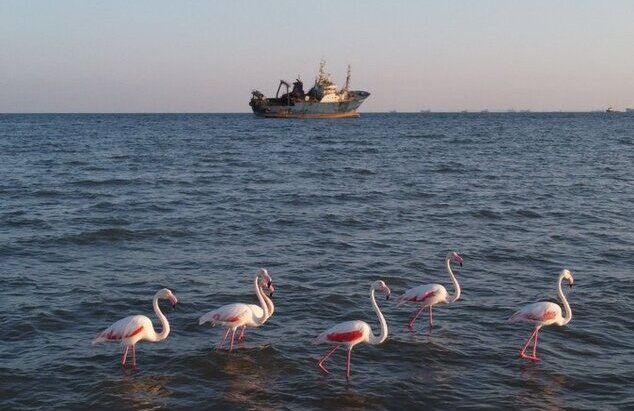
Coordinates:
[345,109]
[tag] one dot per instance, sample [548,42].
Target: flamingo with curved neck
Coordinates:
[351,333]
[130,330]
[428,295]
[234,316]
[544,313]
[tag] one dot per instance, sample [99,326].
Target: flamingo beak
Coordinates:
[387,296]
[173,301]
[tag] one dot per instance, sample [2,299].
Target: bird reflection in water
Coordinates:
[148,392]
[249,381]
[541,388]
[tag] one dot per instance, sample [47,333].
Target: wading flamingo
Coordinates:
[544,313]
[130,330]
[428,295]
[234,316]
[351,333]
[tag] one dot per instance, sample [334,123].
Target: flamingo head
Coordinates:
[454,257]
[167,294]
[567,275]
[267,281]
[379,285]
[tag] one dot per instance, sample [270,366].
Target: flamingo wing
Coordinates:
[231,315]
[124,328]
[257,313]
[421,293]
[537,312]
[346,332]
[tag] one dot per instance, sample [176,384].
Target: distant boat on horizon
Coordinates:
[323,100]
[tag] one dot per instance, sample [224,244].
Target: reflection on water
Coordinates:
[540,388]
[249,381]
[147,392]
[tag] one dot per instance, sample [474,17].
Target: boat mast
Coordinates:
[347,86]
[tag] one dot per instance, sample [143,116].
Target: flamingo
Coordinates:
[351,333]
[544,313]
[130,330]
[428,295]
[234,316]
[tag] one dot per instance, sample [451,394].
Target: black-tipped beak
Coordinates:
[268,284]
[174,306]
[387,297]
[461,264]
[570,285]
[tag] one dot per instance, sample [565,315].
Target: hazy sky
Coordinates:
[207,56]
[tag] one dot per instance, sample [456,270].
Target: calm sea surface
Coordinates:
[100,211]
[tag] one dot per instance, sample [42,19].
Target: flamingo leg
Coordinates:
[241,337]
[431,322]
[348,364]
[411,322]
[134,356]
[222,342]
[320,364]
[125,355]
[523,352]
[233,334]
[535,346]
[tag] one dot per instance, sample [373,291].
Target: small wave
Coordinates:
[486,214]
[107,183]
[528,213]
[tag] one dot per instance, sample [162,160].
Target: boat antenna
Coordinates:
[347,86]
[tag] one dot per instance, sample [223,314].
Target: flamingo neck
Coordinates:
[269,305]
[383,335]
[562,297]
[263,304]
[456,286]
[164,324]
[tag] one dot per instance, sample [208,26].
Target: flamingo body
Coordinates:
[135,328]
[232,316]
[427,294]
[349,333]
[539,314]
[128,330]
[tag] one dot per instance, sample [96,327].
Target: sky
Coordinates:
[207,56]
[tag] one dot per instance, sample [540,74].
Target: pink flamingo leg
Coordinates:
[233,334]
[320,364]
[241,337]
[431,323]
[535,347]
[134,356]
[411,322]
[522,353]
[348,364]
[222,342]
[125,355]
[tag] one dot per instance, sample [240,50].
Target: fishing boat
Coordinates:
[323,100]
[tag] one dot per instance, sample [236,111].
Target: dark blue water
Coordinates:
[100,211]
